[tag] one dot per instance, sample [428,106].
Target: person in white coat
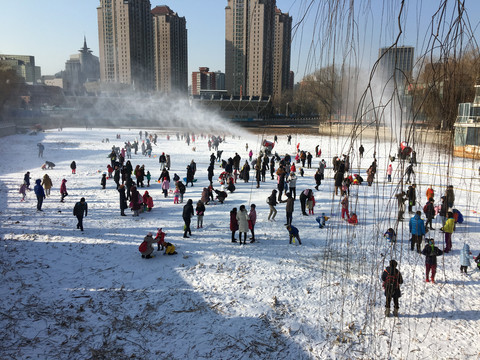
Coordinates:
[242,218]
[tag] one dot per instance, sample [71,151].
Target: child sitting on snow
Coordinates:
[353,219]
[169,249]
[390,235]
[321,220]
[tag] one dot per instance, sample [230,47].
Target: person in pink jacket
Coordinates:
[389,173]
[63,189]
[252,219]
[165,186]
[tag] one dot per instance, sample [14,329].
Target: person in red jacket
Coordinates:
[63,189]
[233,223]
[147,201]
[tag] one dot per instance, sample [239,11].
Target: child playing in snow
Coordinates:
[148,176]
[390,235]
[311,204]
[23,190]
[345,207]
[293,234]
[321,220]
[160,238]
[465,258]
[353,219]
[147,202]
[169,249]
[110,171]
[176,194]
[200,210]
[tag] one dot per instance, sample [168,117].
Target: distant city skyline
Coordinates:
[53,30]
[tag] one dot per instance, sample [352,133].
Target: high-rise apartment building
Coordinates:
[170,51]
[125,34]
[249,40]
[281,53]
[203,79]
[396,64]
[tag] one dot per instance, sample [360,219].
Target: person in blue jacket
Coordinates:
[417,229]
[293,233]
[38,189]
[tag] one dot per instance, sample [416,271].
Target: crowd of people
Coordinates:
[285,170]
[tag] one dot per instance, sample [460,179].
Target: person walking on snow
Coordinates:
[63,190]
[345,208]
[272,202]
[252,219]
[47,184]
[79,210]
[389,173]
[40,193]
[187,217]
[431,252]
[73,166]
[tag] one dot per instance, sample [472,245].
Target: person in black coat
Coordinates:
[123,199]
[73,166]
[338,181]
[187,217]
[246,171]
[210,173]
[189,175]
[103,182]
[429,210]
[412,197]
[304,196]
[318,179]
[79,210]
[116,176]
[272,166]
[392,279]
[128,185]
[264,167]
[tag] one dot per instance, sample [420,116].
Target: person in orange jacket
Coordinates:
[430,193]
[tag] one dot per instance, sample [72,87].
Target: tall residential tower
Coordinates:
[170,51]
[249,41]
[281,54]
[125,34]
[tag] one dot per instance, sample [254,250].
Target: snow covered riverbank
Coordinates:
[73,295]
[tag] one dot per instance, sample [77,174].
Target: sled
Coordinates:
[185,180]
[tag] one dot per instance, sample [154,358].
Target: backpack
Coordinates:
[143,247]
[392,280]
[425,209]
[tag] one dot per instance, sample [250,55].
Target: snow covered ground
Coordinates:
[72,295]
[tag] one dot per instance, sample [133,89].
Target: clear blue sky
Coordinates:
[52,30]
